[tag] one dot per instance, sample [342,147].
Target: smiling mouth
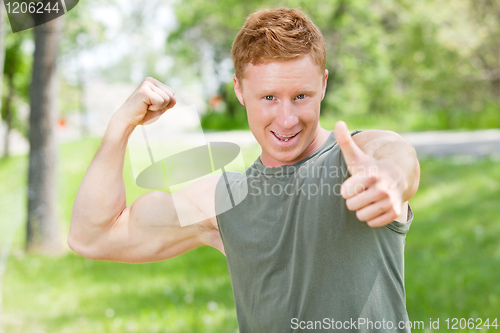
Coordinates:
[283,137]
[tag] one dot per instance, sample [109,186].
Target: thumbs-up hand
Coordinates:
[375,188]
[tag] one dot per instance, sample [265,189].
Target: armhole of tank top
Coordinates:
[402,227]
[215,206]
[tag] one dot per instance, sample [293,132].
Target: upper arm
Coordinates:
[155,228]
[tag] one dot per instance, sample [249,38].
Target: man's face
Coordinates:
[283,104]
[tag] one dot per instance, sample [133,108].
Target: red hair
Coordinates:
[277,35]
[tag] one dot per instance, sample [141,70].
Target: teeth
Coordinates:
[285,136]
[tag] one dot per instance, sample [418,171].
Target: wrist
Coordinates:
[118,129]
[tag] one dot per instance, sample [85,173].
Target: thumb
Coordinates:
[352,153]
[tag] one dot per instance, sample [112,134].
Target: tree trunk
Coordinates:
[496,88]
[43,228]
[84,130]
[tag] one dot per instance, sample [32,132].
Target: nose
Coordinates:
[286,116]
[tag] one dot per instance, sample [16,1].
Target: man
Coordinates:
[309,246]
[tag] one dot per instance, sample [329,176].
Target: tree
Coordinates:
[81,34]
[485,15]
[357,55]
[435,62]
[2,47]
[43,229]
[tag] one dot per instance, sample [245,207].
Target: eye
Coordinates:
[301,96]
[269,98]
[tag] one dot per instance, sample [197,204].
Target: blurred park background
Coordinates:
[428,69]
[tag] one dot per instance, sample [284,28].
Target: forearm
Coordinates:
[101,196]
[401,154]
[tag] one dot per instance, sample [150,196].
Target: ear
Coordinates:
[238,90]
[324,84]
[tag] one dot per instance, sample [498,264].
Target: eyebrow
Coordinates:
[306,91]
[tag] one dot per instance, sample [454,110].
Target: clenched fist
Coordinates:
[147,103]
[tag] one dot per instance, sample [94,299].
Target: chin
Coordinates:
[288,156]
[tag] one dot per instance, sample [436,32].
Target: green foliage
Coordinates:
[219,121]
[17,78]
[231,115]
[18,62]
[80,31]
[385,57]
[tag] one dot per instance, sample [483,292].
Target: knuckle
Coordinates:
[387,206]
[143,90]
[360,216]
[378,192]
[343,190]
[383,190]
[373,171]
[359,188]
[349,204]
[373,222]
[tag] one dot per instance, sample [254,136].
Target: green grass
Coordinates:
[190,293]
[452,251]
[452,260]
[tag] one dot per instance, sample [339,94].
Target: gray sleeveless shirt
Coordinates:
[299,260]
